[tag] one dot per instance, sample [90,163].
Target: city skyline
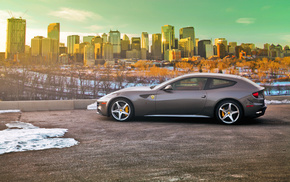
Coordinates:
[239,21]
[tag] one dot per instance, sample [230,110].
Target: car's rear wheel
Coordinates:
[229,112]
[121,110]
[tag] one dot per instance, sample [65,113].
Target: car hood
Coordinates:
[129,89]
[140,88]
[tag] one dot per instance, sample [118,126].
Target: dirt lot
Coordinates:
[154,149]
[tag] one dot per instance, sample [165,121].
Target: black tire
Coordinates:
[229,112]
[121,110]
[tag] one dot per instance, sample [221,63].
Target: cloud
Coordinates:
[75,15]
[246,20]
[265,7]
[96,27]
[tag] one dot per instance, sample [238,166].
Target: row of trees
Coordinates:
[27,82]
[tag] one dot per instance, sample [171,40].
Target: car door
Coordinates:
[187,97]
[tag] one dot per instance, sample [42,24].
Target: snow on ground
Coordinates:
[22,136]
[9,111]
[277,101]
[92,106]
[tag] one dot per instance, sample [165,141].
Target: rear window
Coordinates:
[220,83]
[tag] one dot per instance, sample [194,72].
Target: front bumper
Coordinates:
[102,108]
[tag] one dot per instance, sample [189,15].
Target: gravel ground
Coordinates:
[154,149]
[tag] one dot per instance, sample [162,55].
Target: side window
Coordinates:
[190,84]
[220,83]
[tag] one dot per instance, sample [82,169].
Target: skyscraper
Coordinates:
[145,41]
[50,49]
[188,32]
[186,47]
[36,46]
[168,38]
[125,45]
[205,48]
[115,40]
[221,50]
[88,38]
[16,32]
[71,41]
[136,43]
[156,46]
[125,37]
[53,32]
[221,41]
[105,37]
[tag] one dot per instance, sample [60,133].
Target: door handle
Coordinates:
[204,96]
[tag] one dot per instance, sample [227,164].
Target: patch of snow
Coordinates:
[92,106]
[22,136]
[9,111]
[277,102]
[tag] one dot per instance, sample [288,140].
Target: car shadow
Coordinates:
[211,121]
[176,120]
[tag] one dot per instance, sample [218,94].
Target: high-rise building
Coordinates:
[156,46]
[36,46]
[145,41]
[221,41]
[221,50]
[107,51]
[115,40]
[186,47]
[125,45]
[53,31]
[50,49]
[105,37]
[88,38]
[125,37]
[71,41]
[174,55]
[205,48]
[232,48]
[89,57]
[79,50]
[248,48]
[97,39]
[16,32]
[188,32]
[136,43]
[196,46]
[98,50]
[168,38]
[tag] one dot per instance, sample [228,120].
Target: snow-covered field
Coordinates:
[9,111]
[22,136]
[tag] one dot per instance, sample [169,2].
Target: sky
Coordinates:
[241,21]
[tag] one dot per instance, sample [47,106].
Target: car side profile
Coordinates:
[228,98]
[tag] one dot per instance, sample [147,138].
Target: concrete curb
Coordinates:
[46,105]
[58,105]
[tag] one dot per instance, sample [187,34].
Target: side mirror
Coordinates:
[168,88]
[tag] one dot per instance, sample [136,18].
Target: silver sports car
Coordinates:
[228,98]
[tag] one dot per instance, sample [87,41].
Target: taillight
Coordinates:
[255,94]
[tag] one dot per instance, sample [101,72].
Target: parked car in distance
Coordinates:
[228,98]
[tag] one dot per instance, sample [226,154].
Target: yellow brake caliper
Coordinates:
[126,110]
[223,114]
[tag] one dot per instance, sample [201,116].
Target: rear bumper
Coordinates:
[261,112]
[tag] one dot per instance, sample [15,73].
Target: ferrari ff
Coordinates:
[228,98]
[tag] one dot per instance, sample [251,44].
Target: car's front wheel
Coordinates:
[121,110]
[229,112]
